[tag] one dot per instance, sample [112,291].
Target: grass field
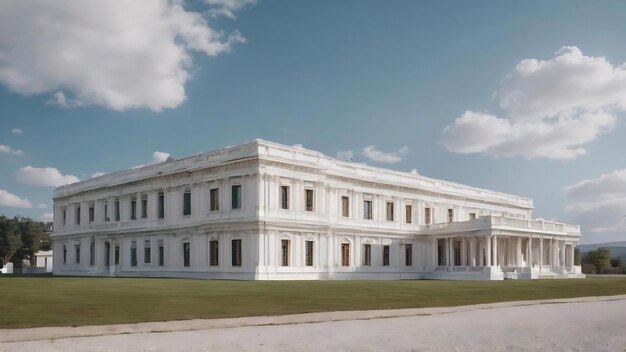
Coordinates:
[69,301]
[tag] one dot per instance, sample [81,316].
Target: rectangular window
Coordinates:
[236,197]
[147,252]
[367,254]
[389,211]
[107,253]
[472,216]
[186,254]
[77,215]
[77,250]
[187,203]
[308,261]
[117,255]
[117,210]
[284,197]
[367,209]
[409,213]
[427,216]
[284,250]
[64,216]
[308,195]
[64,254]
[214,253]
[450,215]
[144,206]
[161,253]
[345,254]
[408,254]
[92,212]
[385,255]
[214,199]
[133,208]
[133,253]
[236,252]
[345,206]
[161,205]
[106,211]
[92,253]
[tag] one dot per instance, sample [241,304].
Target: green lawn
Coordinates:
[63,301]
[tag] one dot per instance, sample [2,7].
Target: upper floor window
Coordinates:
[472,216]
[78,215]
[409,213]
[308,195]
[345,206]
[389,211]
[133,208]
[144,206]
[64,216]
[92,212]
[187,202]
[117,209]
[367,209]
[214,199]
[428,216]
[161,205]
[450,215]
[106,211]
[236,197]
[284,197]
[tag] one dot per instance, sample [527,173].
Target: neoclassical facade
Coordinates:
[266,211]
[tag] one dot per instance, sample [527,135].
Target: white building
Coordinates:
[266,211]
[43,261]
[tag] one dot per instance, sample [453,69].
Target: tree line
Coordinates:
[601,261]
[20,237]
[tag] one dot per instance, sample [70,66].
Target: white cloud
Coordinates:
[374,154]
[44,176]
[227,7]
[414,172]
[41,206]
[47,216]
[5,149]
[17,131]
[551,108]
[157,157]
[119,55]
[97,174]
[346,155]
[11,200]
[599,204]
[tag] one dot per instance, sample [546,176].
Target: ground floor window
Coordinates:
[408,254]
[284,250]
[92,252]
[367,254]
[345,254]
[214,253]
[309,253]
[64,254]
[107,253]
[161,253]
[77,249]
[147,252]
[385,255]
[441,247]
[236,253]
[133,253]
[186,254]
[457,253]
[117,255]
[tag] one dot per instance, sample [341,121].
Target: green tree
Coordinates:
[10,239]
[600,258]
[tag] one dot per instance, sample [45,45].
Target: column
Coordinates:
[488,251]
[435,252]
[540,252]
[518,252]
[572,256]
[495,251]
[463,251]
[530,251]
[450,251]
[472,251]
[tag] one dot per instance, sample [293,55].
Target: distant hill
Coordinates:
[618,249]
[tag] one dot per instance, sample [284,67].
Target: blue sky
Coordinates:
[333,76]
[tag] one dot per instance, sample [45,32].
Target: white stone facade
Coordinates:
[266,211]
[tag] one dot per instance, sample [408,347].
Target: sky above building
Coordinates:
[526,97]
